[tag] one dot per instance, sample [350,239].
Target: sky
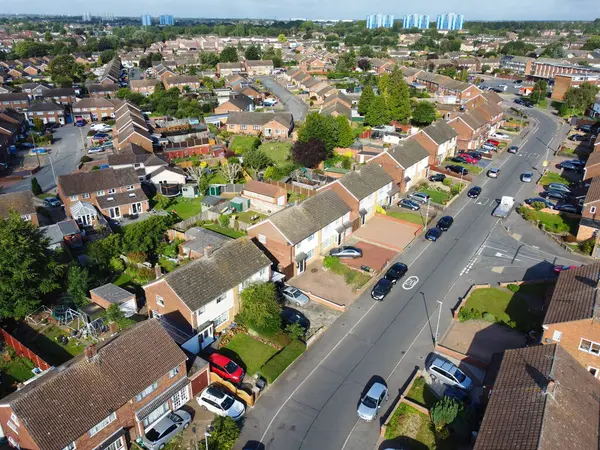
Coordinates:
[316,9]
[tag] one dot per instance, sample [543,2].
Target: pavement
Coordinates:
[313,404]
[292,103]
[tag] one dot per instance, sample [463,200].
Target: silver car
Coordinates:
[372,401]
[449,374]
[493,173]
[420,197]
[294,295]
[559,187]
[160,434]
[527,177]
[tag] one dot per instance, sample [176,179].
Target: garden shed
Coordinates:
[240,203]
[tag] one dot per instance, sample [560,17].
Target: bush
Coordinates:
[587,246]
[295,331]
[260,310]
[85,159]
[468,314]
[137,257]
[489,317]
[116,264]
[513,287]
[447,181]
[538,206]
[444,412]
[455,190]
[278,363]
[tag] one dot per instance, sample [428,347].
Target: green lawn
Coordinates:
[438,197]
[551,177]
[230,232]
[352,277]
[186,207]
[410,423]
[566,151]
[422,394]
[48,348]
[169,266]
[554,223]
[15,371]
[408,216]
[250,352]
[239,144]
[472,168]
[245,216]
[279,152]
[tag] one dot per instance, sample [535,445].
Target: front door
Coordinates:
[301,266]
[206,336]
[136,208]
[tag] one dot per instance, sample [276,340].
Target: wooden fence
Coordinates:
[293,188]
[249,399]
[22,350]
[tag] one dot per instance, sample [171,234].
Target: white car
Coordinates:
[217,400]
[101,127]
[500,136]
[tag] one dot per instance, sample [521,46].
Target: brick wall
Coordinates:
[572,332]
[391,167]
[273,244]
[174,309]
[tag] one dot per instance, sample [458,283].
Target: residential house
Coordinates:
[542,399]
[572,316]
[472,128]
[63,234]
[182,82]
[168,175]
[296,236]
[132,155]
[198,240]
[110,294]
[447,90]
[113,405]
[47,112]
[564,81]
[145,87]
[93,109]
[364,189]
[256,96]
[115,192]
[592,166]
[407,164]
[112,72]
[103,90]
[258,68]
[469,64]
[21,203]
[16,118]
[439,139]
[236,103]
[381,66]
[337,104]
[226,69]
[17,101]
[131,128]
[161,71]
[589,224]
[264,196]
[268,124]
[62,96]
[205,293]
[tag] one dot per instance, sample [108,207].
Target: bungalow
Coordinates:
[20,203]
[264,196]
[205,293]
[257,68]
[268,124]
[168,175]
[439,139]
[110,294]
[296,236]
[47,112]
[407,163]
[237,102]
[589,224]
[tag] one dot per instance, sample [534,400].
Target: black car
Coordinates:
[557,195]
[532,200]
[476,155]
[474,192]
[445,223]
[570,166]
[397,271]
[290,316]
[437,177]
[458,159]
[565,207]
[457,169]
[433,234]
[381,289]
[519,101]
[409,204]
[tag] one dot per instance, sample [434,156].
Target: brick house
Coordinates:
[181,82]
[236,103]
[47,112]
[518,64]
[115,192]
[296,236]
[255,123]
[131,128]
[133,155]
[257,68]
[103,90]
[264,196]
[407,164]
[472,128]
[20,203]
[112,405]
[17,101]
[16,118]
[144,87]
[542,399]
[226,69]
[589,224]
[62,96]
[446,89]
[93,109]
[205,293]
[439,139]
[592,166]
[572,317]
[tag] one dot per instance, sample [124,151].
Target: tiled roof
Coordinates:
[88,103]
[542,399]
[106,87]
[45,107]
[363,182]
[14,96]
[408,153]
[269,190]
[474,119]
[122,198]
[59,92]
[203,280]
[440,132]
[593,193]
[19,202]
[261,63]
[112,293]
[64,404]
[96,180]
[575,295]
[258,118]
[593,159]
[182,79]
[148,82]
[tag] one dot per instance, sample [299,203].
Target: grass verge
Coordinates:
[352,277]
[422,394]
[250,352]
[409,423]
[554,223]
[551,177]
[278,363]
[408,216]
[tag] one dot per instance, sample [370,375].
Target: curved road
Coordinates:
[313,404]
[293,104]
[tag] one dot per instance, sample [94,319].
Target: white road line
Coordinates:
[349,434]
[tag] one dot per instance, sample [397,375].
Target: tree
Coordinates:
[64,67]
[398,97]
[224,433]
[345,134]
[28,270]
[581,97]
[252,53]
[364,64]
[78,283]
[423,114]
[106,56]
[366,51]
[592,43]
[38,124]
[115,315]
[209,59]
[378,113]
[145,236]
[260,309]
[256,159]
[321,128]
[229,54]
[444,412]
[281,38]
[197,174]
[309,153]
[539,91]
[366,97]
[295,331]
[231,171]
[485,68]
[35,186]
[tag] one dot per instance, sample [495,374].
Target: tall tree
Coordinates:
[256,159]
[35,186]
[366,97]
[321,128]
[345,134]
[252,53]
[309,153]
[540,89]
[28,270]
[398,98]
[378,112]
[223,434]
[260,309]
[229,54]
[78,284]
[423,114]
[231,170]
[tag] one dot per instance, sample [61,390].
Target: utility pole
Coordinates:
[427,213]
[437,328]
[52,167]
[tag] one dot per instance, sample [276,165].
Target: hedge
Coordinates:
[278,363]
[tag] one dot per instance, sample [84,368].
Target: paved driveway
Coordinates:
[387,232]
[374,256]
[324,284]
[293,104]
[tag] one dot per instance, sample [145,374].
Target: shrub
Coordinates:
[116,264]
[278,363]
[468,314]
[455,190]
[224,220]
[447,181]
[444,412]
[137,257]
[513,287]
[85,159]
[489,317]
[260,310]
[587,246]
[294,331]
[538,206]
[330,261]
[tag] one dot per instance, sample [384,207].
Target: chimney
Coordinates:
[157,271]
[550,388]
[208,251]
[90,352]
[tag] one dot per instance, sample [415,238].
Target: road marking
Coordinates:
[410,283]
[498,254]
[498,269]
[482,201]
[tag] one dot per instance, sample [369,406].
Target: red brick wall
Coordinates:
[572,332]
[274,244]
[428,144]
[174,308]
[23,438]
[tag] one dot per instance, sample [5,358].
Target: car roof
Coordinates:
[398,264]
[163,424]
[219,359]
[214,393]
[375,390]
[290,288]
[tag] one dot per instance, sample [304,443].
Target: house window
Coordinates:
[160,301]
[589,347]
[13,443]
[243,127]
[130,187]
[181,398]
[74,198]
[310,238]
[278,131]
[221,318]
[71,446]
[100,194]
[12,426]
[593,371]
[592,210]
[221,298]
[557,335]
[85,195]
[173,372]
[231,127]
[112,191]
[95,429]
[256,127]
[146,392]
[156,414]
[117,445]
[15,419]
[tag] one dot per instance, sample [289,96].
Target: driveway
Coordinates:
[319,315]
[293,104]
[387,232]
[374,257]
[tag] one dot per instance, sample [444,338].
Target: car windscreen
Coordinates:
[231,367]
[152,435]
[460,377]
[227,403]
[369,402]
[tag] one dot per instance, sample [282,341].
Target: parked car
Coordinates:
[433,234]
[585,128]
[96,149]
[160,434]
[449,374]
[577,138]
[494,142]
[445,223]
[381,289]
[397,271]
[51,202]
[469,159]
[557,195]
[437,177]
[489,147]
[346,251]
[500,136]
[294,295]
[79,122]
[219,401]
[493,172]
[420,197]
[409,204]
[527,177]
[100,127]
[570,166]
[457,169]
[456,394]
[576,162]
[226,368]
[290,316]
[474,192]
[519,101]
[559,269]
[371,402]
[568,208]
[513,149]
[459,159]
[532,200]
[475,154]
[559,187]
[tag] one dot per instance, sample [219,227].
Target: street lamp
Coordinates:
[206,436]
[437,328]
[427,212]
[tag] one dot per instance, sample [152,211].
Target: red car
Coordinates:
[226,368]
[469,158]
[493,142]
[559,269]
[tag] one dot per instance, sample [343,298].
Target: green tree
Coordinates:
[345,134]
[100,252]
[223,434]
[295,331]
[48,36]
[252,53]
[423,114]
[281,38]
[444,412]
[366,97]
[64,67]
[38,124]
[398,97]
[256,159]
[366,51]
[28,270]
[145,236]
[540,89]
[229,54]
[592,43]
[378,112]
[106,56]
[260,309]
[35,186]
[209,59]
[114,314]
[485,68]
[581,97]
[321,128]
[78,283]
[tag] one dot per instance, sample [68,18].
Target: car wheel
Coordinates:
[204,408]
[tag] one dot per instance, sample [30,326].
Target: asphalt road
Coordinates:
[293,104]
[313,404]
